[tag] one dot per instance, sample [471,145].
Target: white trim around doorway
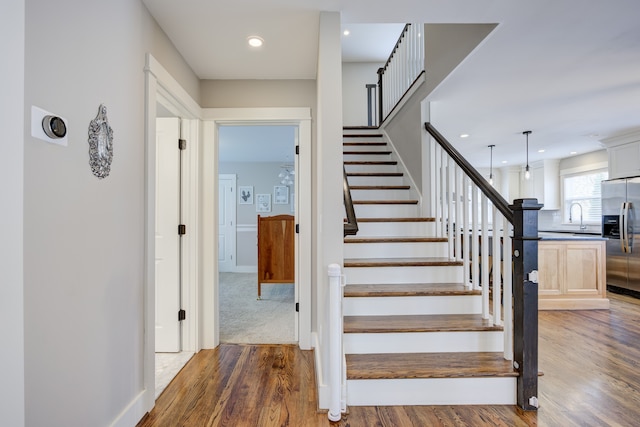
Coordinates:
[213,118]
[161,88]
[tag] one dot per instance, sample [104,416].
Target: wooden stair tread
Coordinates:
[375,153]
[395,240]
[401,262]
[380,187]
[361,127]
[370,162]
[418,323]
[408,289]
[398,219]
[374,174]
[385,202]
[362,135]
[428,365]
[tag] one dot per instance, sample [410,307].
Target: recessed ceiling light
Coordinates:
[540,151]
[464,135]
[574,152]
[346,32]
[255,41]
[504,161]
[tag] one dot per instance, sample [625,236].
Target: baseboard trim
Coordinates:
[245,269]
[323,389]
[133,413]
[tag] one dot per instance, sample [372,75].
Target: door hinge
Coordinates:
[297,307]
[182,229]
[297,149]
[182,144]
[182,314]
[297,228]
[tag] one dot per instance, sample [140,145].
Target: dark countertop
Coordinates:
[569,235]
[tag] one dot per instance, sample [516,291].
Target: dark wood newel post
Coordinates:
[525,304]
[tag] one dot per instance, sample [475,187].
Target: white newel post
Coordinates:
[335,342]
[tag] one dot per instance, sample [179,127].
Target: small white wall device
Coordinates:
[54,127]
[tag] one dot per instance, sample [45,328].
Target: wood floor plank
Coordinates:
[590,360]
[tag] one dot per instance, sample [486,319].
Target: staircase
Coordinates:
[414,333]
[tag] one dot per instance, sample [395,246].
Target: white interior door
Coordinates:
[167,239]
[227,222]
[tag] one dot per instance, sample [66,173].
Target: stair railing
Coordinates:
[480,224]
[351,225]
[402,69]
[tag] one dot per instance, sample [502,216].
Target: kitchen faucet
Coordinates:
[582,226]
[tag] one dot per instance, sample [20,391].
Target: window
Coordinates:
[583,189]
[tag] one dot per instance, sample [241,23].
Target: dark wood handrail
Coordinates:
[491,193]
[404,31]
[351,226]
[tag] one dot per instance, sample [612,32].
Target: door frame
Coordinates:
[212,119]
[161,88]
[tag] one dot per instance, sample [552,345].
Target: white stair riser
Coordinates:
[424,342]
[427,274]
[395,250]
[432,391]
[375,180]
[382,195]
[364,138]
[367,157]
[409,305]
[365,147]
[386,211]
[396,229]
[371,168]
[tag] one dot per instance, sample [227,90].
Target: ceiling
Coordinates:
[568,70]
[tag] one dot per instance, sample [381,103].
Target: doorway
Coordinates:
[170,356]
[213,119]
[258,161]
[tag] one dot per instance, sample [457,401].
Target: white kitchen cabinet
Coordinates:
[624,155]
[544,183]
[624,160]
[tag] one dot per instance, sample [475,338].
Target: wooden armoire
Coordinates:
[276,256]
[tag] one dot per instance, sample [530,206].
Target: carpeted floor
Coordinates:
[245,320]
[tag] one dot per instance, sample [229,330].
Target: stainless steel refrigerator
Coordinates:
[621,225]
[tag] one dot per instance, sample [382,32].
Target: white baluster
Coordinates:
[496,267]
[475,225]
[465,231]
[485,256]
[507,290]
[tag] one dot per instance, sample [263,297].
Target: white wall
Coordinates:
[84,237]
[12,405]
[263,176]
[355,77]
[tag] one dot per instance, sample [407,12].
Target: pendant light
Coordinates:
[491,164]
[527,174]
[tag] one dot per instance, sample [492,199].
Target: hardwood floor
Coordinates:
[590,360]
